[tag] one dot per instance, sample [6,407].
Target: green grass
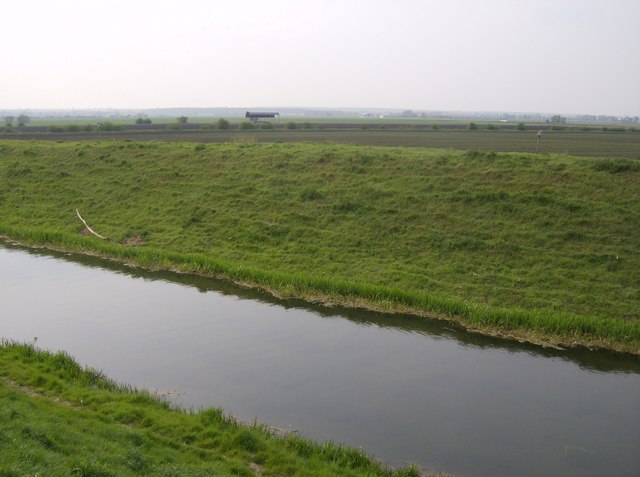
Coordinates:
[58,419]
[544,247]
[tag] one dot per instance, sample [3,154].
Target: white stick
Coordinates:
[89,228]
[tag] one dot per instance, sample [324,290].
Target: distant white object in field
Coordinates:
[538,143]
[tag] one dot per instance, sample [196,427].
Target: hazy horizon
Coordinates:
[307,111]
[567,57]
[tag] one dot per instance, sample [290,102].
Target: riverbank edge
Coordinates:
[61,384]
[539,327]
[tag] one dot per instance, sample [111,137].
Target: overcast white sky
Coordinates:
[560,56]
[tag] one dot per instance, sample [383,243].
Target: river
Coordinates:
[404,389]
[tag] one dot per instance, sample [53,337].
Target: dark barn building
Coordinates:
[255,116]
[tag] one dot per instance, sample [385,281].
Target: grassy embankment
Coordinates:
[57,419]
[543,248]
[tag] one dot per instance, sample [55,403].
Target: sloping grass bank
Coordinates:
[539,247]
[58,419]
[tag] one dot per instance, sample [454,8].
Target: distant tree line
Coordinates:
[608,119]
[408,113]
[22,120]
[104,126]
[557,119]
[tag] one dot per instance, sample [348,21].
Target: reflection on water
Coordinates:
[406,389]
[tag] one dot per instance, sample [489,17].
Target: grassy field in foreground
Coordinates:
[545,245]
[57,419]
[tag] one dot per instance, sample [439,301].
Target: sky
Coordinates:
[554,56]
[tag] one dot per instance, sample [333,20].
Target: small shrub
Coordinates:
[246,125]
[473,126]
[291,125]
[266,125]
[492,127]
[520,127]
[306,125]
[222,124]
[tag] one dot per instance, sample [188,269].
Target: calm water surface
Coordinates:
[405,389]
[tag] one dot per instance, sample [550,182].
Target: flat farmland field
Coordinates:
[592,142]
